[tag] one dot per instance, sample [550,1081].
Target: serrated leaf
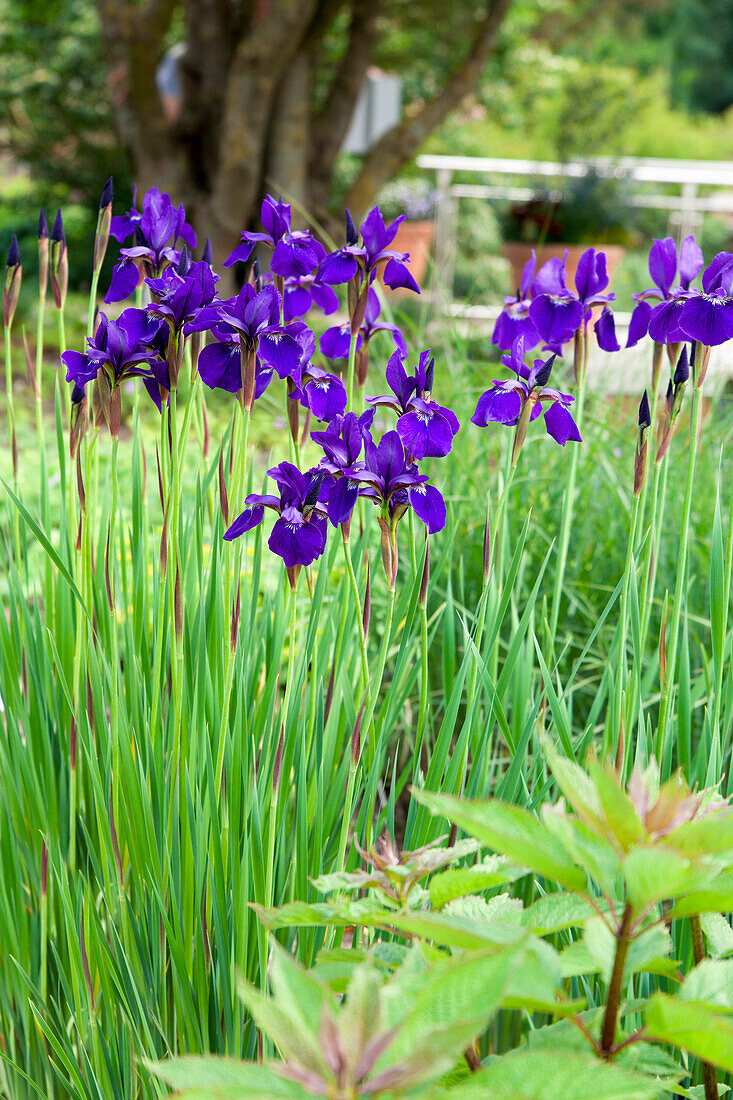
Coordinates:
[249,1078]
[716,898]
[711,982]
[294,1040]
[653,873]
[554,912]
[547,1075]
[595,952]
[458,881]
[693,1027]
[511,831]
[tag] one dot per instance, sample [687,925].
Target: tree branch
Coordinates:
[399,144]
[332,122]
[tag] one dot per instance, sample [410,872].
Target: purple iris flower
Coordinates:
[425,428]
[296,253]
[250,324]
[393,482]
[156,230]
[302,292]
[661,322]
[299,534]
[323,393]
[183,290]
[708,317]
[556,312]
[342,443]
[121,348]
[361,262]
[506,401]
[514,319]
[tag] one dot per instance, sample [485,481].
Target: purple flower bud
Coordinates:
[107,194]
[182,267]
[543,374]
[42,225]
[208,255]
[645,416]
[257,274]
[57,229]
[682,370]
[351,235]
[13,253]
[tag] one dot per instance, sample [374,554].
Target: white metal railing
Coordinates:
[686,207]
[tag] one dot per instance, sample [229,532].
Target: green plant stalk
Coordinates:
[350,373]
[424,684]
[92,309]
[657,355]
[239,481]
[115,698]
[358,611]
[566,520]
[726,597]
[159,628]
[709,1074]
[623,616]
[11,436]
[176,640]
[377,683]
[615,988]
[484,599]
[679,591]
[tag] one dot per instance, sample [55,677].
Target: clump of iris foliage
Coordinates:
[232,689]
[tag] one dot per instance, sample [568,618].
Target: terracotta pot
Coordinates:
[517,253]
[417,239]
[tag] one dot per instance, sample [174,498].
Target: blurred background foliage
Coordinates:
[567,78]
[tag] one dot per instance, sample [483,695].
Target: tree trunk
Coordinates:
[398,146]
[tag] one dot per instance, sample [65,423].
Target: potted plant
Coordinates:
[591,212]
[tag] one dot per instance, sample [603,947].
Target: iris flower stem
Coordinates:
[61,324]
[350,373]
[424,684]
[492,581]
[679,591]
[239,480]
[114,705]
[726,598]
[358,611]
[11,435]
[173,575]
[275,787]
[159,628]
[39,406]
[92,304]
[623,613]
[377,682]
[566,521]
[657,354]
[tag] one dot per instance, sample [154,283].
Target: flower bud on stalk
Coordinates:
[389,551]
[645,421]
[59,262]
[42,255]
[521,433]
[673,403]
[11,285]
[104,218]
[293,412]
[249,363]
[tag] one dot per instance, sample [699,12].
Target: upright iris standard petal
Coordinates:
[591,276]
[663,263]
[429,506]
[691,261]
[551,278]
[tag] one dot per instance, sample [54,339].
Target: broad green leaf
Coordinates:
[617,806]
[454,883]
[296,990]
[294,1039]
[653,873]
[596,855]
[693,1027]
[711,982]
[548,1075]
[554,912]
[716,898]
[511,831]
[249,1079]
[710,835]
[596,951]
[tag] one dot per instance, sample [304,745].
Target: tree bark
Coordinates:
[330,126]
[397,147]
